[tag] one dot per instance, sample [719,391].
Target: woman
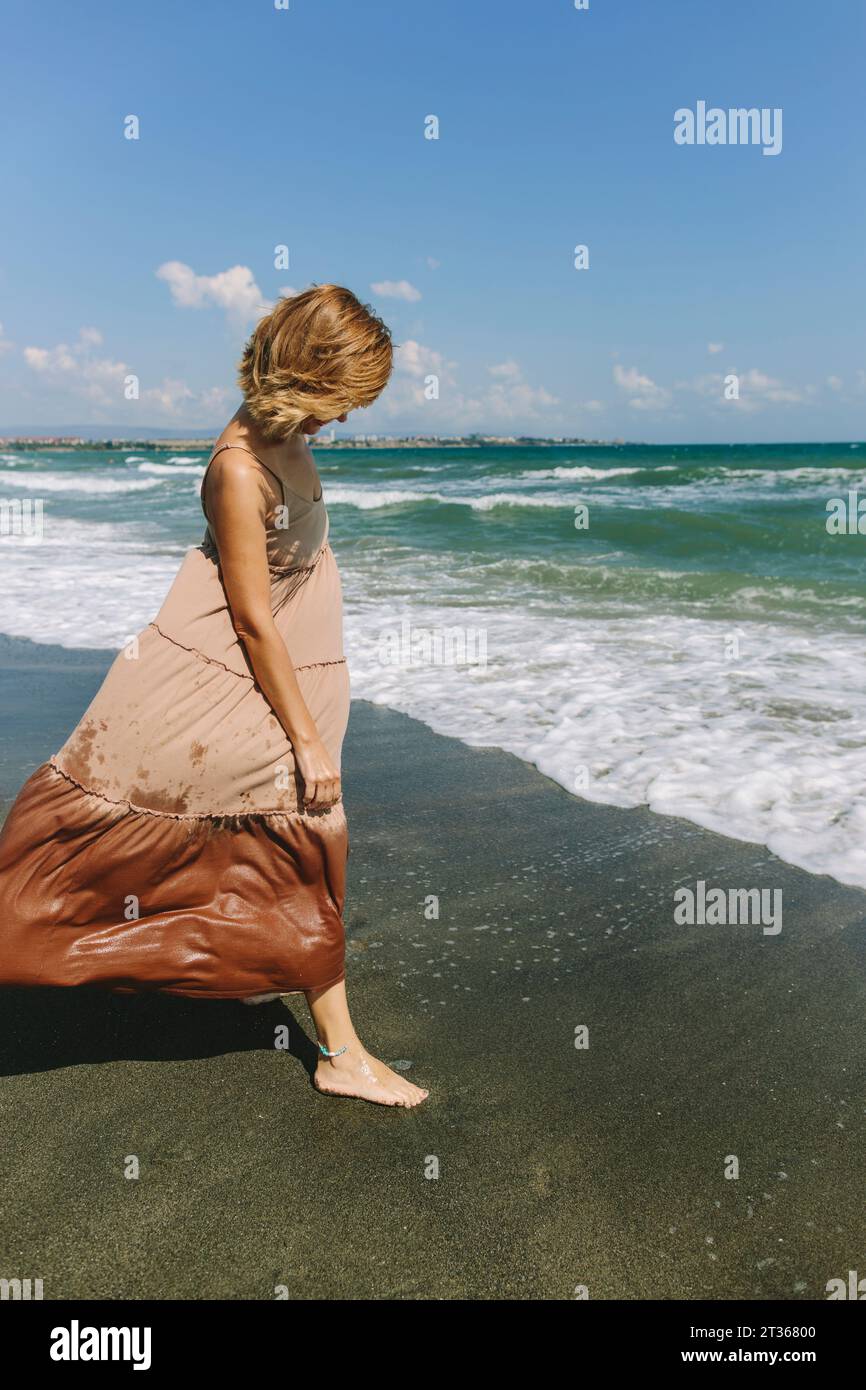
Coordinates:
[189,836]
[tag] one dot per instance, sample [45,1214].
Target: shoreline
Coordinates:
[81,663]
[559,1165]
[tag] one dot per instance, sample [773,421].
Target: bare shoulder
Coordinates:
[234,481]
[233,465]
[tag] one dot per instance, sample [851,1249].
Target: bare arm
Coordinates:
[237,509]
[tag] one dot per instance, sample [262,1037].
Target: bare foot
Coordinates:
[356,1073]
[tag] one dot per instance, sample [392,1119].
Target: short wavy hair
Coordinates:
[321,353]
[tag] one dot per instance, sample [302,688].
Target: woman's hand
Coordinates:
[321,779]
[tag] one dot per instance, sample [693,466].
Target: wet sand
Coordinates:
[558,1167]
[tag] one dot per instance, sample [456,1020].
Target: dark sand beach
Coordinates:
[557,1167]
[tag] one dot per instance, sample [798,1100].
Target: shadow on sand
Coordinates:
[44,1029]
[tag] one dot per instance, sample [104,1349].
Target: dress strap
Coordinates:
[259,461]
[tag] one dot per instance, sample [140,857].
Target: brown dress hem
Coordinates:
[96,892]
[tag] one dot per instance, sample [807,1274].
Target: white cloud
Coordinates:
[507,403]
[756,390]
[642,391]
[835,383]
[396,289]
[763,388]
[433,263]
[506,371]
[512,399]
[713,348]
[233,290]
[57,359]
[74,369]
[174,399]
[216,399]
[414,359]
[97,378]
[170,397]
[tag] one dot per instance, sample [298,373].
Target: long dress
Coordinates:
[166,846]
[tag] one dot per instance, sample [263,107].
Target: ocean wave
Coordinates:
[706,475]
[761,479]
[370,499]
[508,499]
[630,489]
[76,482]
[804,474]
[637,711]
[168,470]
[584,471]
[606,582]
[88,583]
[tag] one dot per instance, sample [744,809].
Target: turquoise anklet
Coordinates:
[325,1053]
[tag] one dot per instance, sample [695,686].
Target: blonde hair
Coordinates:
[319,353]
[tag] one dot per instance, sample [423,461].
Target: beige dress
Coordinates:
[166,846]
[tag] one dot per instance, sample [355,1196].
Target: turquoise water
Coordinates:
[688,525]
[697,647]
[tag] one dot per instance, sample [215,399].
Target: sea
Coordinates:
[675,627]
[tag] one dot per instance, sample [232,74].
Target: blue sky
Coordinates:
[305,127]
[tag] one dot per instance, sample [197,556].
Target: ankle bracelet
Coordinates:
[340,1050]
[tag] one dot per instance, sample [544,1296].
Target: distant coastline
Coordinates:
[358,441]
[202,442]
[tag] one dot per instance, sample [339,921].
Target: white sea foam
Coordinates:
[369,499]
[164,464]
[804,473]
[75,482]
[741,483]
[584,471]
[493,500]
[86,583]
[657,716]
[711,476]
[170,470]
